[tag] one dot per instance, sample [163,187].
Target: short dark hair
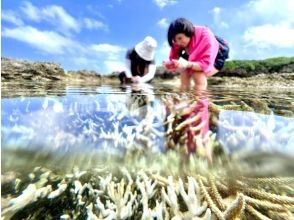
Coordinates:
[137,62]
[180,25]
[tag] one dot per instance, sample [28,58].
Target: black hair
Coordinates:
[180,25]
[138,64]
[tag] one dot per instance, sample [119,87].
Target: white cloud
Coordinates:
[107,48]
[276,24]
[53,14]
[258,29]
[61,17]
[262,12]
[256,12]
[112,56]
[224,25]
[271,9]
[104,58]
[46,41]
[81,62]
[264,36]
[94,24]
[114,66]
[163,3]
[31,12]
[95,10]
[163,23]
[11,17]
[216,13]
[101,65]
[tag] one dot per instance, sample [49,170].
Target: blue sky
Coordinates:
[95,35]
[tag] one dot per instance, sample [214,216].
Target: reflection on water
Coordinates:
[56,143]
[80,122]
[188,125]
[112,119]
[242,132]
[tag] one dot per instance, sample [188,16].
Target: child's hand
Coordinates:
[136,79]
[176,65]
[169,65]
[181,64]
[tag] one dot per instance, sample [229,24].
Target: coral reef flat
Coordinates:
[78,145]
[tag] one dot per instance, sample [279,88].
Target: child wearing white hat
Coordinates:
[140,64]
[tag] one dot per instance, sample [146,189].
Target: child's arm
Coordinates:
[187,65]
[148,76]
[206,53]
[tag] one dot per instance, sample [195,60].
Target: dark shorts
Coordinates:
[222,55]
[220,60]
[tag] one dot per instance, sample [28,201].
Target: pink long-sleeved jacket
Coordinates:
[203,48]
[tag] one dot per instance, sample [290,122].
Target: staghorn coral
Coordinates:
[138,193]
[145,194]
[187,124]
[167,188]
[251,126]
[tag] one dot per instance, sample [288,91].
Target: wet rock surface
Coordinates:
[13,70]
[28,78]
[45,76]
[261,81]
[278,81]
[23,70]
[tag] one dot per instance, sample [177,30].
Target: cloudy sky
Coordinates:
[95,35]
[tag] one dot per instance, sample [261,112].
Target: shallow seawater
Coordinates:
[65,128]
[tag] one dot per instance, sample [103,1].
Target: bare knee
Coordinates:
[212,72]
[185,81]
[200,80]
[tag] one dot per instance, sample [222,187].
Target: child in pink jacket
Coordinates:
[195,52]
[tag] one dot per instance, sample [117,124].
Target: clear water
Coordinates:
[65,147]
[43,125]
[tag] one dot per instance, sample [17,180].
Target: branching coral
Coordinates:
[188,127]
[174,185]
[210,196]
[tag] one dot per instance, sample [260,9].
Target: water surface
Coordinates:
[82,121]
[68,151]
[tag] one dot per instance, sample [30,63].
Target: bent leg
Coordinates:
[212,72]
[185,81]
[200,79]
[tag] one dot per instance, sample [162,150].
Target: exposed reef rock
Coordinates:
[20,70]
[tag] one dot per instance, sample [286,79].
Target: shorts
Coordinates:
[220,60]
[222,55]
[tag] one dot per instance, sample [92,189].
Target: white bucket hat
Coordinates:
[146,48]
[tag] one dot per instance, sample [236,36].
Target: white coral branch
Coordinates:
[192,198]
